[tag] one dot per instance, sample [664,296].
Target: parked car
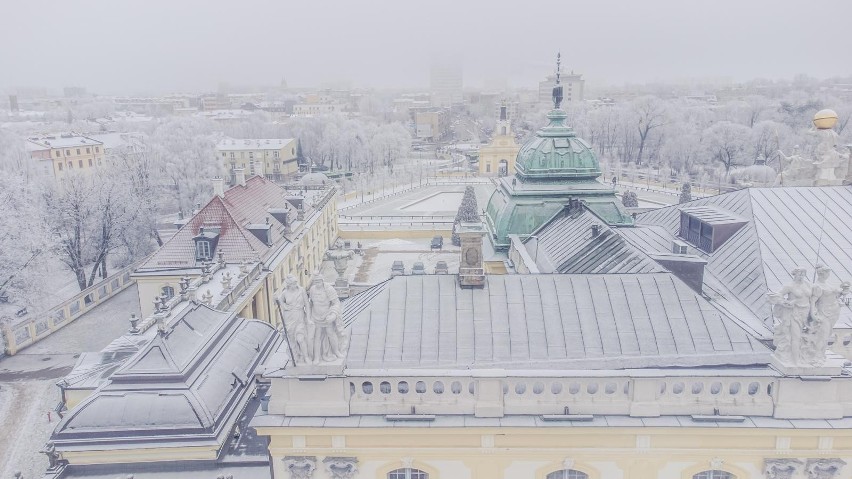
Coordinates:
[397,268]
[418,268]
[437,242]
[441,267]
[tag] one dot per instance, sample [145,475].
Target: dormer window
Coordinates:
[708,227]
[205,243]
[203,249]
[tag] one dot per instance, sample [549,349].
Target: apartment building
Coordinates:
[274,159]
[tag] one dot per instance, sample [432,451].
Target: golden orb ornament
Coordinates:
[825,119]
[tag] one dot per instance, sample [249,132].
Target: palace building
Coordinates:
[697,341]
[256,224]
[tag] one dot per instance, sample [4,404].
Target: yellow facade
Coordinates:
[432,124]
[272,159]
[300,259]
[498,157]
[533,453]
[60,156]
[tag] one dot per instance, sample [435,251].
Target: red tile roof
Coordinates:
[241,206]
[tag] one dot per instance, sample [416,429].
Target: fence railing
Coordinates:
[18,333]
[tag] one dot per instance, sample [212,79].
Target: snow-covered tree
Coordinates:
[184,152]
[650,114]
[468,213]
[89,215]
[25,242]
[726,143]
[685,193]
[630,199]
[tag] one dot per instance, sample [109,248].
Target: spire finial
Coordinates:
[558,66]
[557,90]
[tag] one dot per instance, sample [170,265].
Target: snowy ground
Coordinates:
[57,287]
[28,389]
[442,200]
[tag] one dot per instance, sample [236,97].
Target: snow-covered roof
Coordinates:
[231,144]
[60,141]
[785,228]
[552,321]
[181,387]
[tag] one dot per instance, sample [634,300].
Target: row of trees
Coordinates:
[689,137]
[336,141]
[90,222]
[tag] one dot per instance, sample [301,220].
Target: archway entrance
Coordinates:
[503,169]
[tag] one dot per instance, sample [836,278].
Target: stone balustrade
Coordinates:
[18,333]
[223,298]
[763,394]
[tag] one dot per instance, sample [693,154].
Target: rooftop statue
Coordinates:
[806,314]
[796,170]
[831,164]
[825,311]
[329,338]
[828,168]
[293,303]
[791,306]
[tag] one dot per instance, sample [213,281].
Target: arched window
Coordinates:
[567,474]
[714,474]
[168,292]
[407,473]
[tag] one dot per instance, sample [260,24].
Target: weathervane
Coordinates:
[557,90]
[558,67]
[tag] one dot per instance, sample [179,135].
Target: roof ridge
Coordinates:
[240,227]
[760,262]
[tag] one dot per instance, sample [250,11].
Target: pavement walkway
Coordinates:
[28,392]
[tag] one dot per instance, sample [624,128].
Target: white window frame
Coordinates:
[202,247]
[408,473]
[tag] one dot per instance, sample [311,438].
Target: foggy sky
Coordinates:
[139,46]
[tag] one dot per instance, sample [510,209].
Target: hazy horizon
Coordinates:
[158,46]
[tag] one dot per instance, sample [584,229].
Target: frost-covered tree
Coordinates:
[25,242]
[650,114]
[389,143]
[630,199]
[726,143]
[685,193]
[89,215]
[468,213]
[184,152]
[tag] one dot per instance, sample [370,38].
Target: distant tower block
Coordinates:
[471,269]
[13,104]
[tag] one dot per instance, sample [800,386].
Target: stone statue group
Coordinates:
[830,167]
[312,321]
[806,314]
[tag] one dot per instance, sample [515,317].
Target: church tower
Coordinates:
[498,157]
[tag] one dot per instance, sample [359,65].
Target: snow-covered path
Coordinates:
[28,389]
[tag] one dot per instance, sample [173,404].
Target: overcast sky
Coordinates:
[134,46]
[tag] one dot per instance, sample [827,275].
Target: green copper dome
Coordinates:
[552,169]
[556,153]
